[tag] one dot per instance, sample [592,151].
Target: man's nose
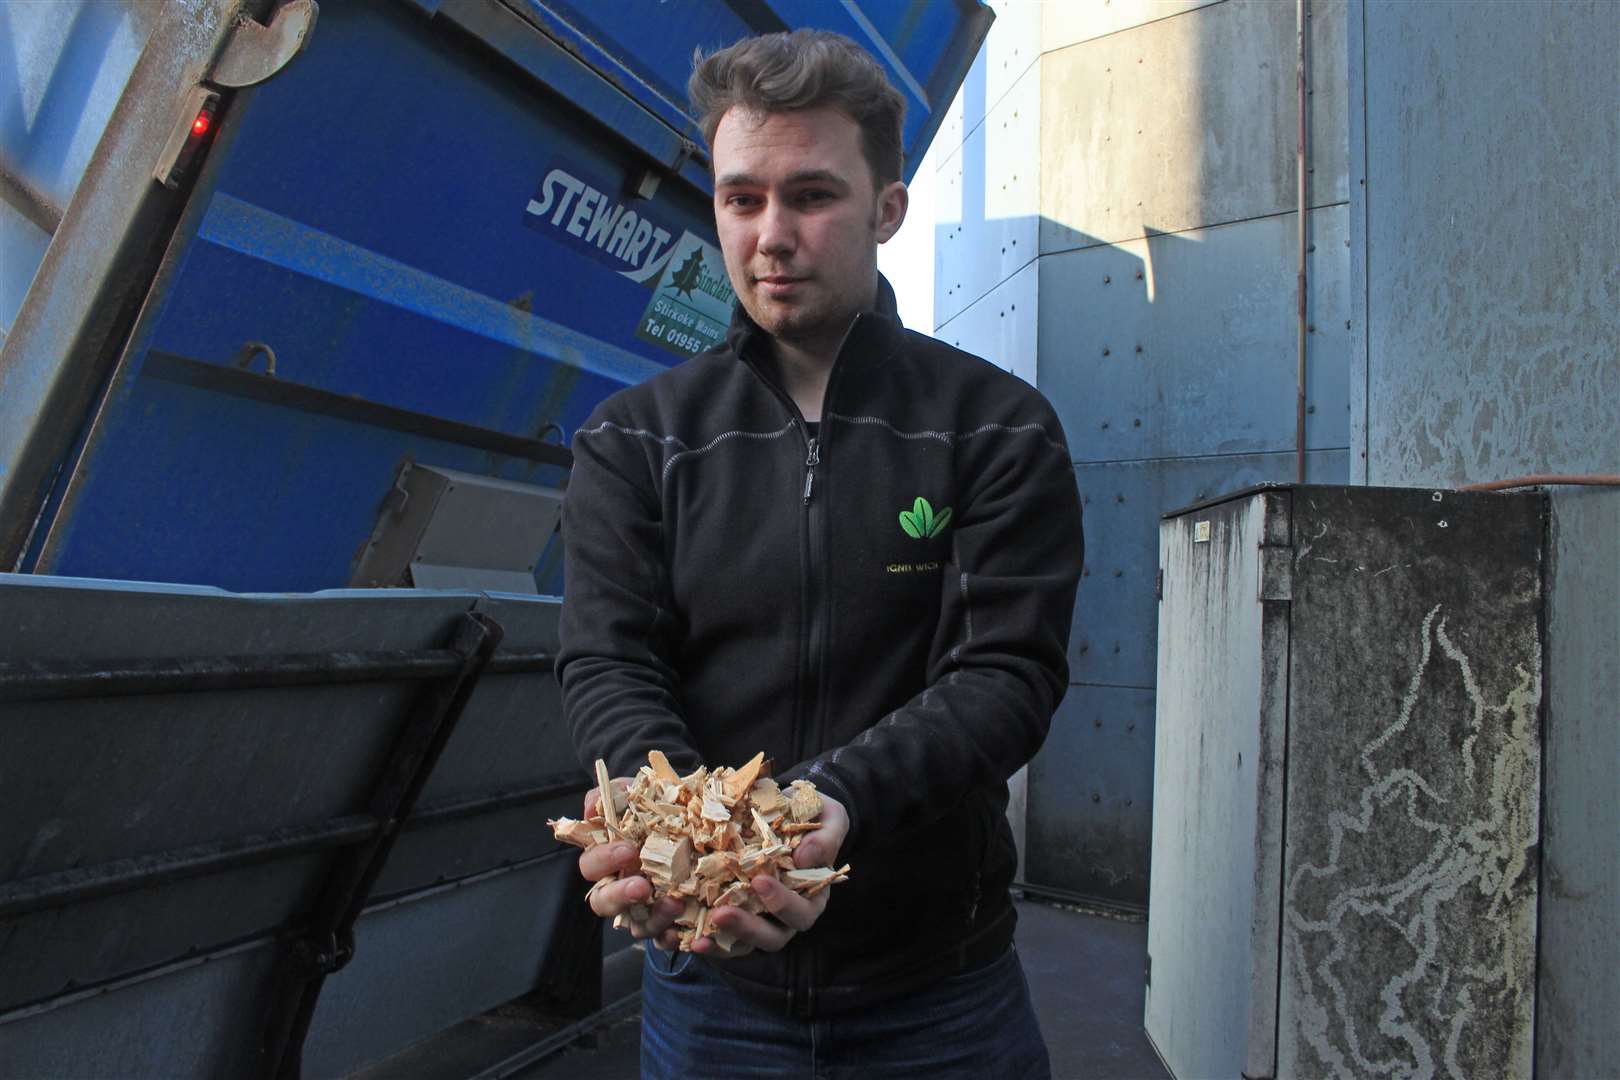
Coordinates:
[778,231]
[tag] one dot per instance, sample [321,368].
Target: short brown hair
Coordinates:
[804,69]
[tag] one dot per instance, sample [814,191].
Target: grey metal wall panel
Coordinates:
[1413,784]
[433,960]
[89,780]
[47,954]
[183,1022]
[1185,344]
[1090,796]
[1187,122]
[1218,771]
[1578,990]
[1493,156]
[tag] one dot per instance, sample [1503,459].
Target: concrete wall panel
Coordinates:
[1001,326]
[1114,638]
[1091,794]
[1066,24]
[1186,344]
[988,197]
[1187,122]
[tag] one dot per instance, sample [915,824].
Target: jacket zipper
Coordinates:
[802,969]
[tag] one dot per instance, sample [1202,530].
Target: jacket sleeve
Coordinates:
[620,690]
[998,665]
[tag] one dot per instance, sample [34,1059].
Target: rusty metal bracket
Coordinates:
[254,52]
[327,940]
[251,54]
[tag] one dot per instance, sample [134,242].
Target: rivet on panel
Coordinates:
[1137,422]
[1119,573]
[1107,279]
[1105,425]
[1119,498]
[1096,797]
[1105,350]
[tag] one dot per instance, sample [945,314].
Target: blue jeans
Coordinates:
[977,1025]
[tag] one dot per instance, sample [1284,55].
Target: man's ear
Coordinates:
[892,202]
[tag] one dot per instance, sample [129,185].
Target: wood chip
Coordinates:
[609,808]
[803,802]
[704,836]
[661,768]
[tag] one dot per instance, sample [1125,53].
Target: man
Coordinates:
[853,548]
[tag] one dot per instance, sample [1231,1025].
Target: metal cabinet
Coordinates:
[1347,784]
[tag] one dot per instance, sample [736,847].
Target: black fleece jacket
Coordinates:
[883,608]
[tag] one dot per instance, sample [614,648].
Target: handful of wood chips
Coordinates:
[705,836]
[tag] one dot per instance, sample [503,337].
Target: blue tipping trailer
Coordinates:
[308,298]
[463,213]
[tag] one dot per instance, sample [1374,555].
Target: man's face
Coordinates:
[799,221]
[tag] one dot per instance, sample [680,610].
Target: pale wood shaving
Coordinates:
[704,837]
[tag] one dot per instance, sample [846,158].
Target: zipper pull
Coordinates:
[812,459]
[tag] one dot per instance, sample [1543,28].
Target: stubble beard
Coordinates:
[823,319]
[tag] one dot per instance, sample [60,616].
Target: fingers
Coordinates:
[657,927]
[792,910]
[605,860]
[609,898]
[820,848]
[593,797]
[750,930]
[787,913]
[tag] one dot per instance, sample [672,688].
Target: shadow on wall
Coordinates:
[1153,300]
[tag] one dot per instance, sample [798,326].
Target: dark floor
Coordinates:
[1085,975]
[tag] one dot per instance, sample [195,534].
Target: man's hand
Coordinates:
[610,898]
[789,913]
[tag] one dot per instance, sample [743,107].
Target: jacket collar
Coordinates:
[880,323]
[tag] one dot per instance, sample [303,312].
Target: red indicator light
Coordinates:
[199,126]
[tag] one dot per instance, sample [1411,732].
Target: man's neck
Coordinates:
[804,373]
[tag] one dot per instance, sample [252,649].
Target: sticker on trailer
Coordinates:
[585,214]
[691,302]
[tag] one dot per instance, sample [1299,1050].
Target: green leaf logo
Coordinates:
[921,523]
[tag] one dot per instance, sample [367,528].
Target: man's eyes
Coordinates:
[806,197]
